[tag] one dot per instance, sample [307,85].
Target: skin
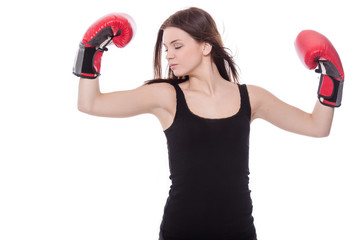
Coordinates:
[206,92]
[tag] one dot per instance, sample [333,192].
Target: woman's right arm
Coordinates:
[116,28]
[148,98]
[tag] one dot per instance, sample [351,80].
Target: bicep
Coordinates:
[121,104]
[270,108]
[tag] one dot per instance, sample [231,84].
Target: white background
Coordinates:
[67,175]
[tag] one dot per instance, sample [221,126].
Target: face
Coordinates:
[183,53]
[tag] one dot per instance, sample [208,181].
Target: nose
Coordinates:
[169,55]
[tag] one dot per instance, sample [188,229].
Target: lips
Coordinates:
[172,66]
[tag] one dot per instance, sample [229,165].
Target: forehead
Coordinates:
[172,33]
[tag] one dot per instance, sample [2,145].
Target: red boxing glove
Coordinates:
[314,49]
[114,28]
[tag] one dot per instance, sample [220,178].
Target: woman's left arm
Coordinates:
[314,50]
[266,106]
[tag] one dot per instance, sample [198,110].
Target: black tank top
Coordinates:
[208,159]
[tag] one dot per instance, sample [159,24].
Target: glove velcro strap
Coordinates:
[84,62]
[330,91]
[331,84]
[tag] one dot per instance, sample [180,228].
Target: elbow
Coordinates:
[86,105]
[84,108]
[322,134]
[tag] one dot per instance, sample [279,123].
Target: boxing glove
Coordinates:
[116,28]
[315,50]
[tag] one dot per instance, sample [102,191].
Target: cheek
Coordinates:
[188,59]
[191,58]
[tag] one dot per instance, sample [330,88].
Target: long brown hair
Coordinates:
[202,27]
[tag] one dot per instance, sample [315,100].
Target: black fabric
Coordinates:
[208,159]
[88,60]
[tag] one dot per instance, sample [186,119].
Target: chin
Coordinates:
[180,74]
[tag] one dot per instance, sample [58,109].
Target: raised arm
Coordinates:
[157,99]
[114,28]
[314,50]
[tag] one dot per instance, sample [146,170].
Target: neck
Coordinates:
[207,80]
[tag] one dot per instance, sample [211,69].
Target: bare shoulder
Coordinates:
[254,90]
[260,98]
[161,93]
[258,94]
[255,93]
[164,95]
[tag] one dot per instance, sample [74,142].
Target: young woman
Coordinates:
[205,114]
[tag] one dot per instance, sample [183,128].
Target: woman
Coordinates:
[205,114]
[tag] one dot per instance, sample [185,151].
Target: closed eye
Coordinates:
[176,48]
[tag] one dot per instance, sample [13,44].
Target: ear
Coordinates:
[207,47]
